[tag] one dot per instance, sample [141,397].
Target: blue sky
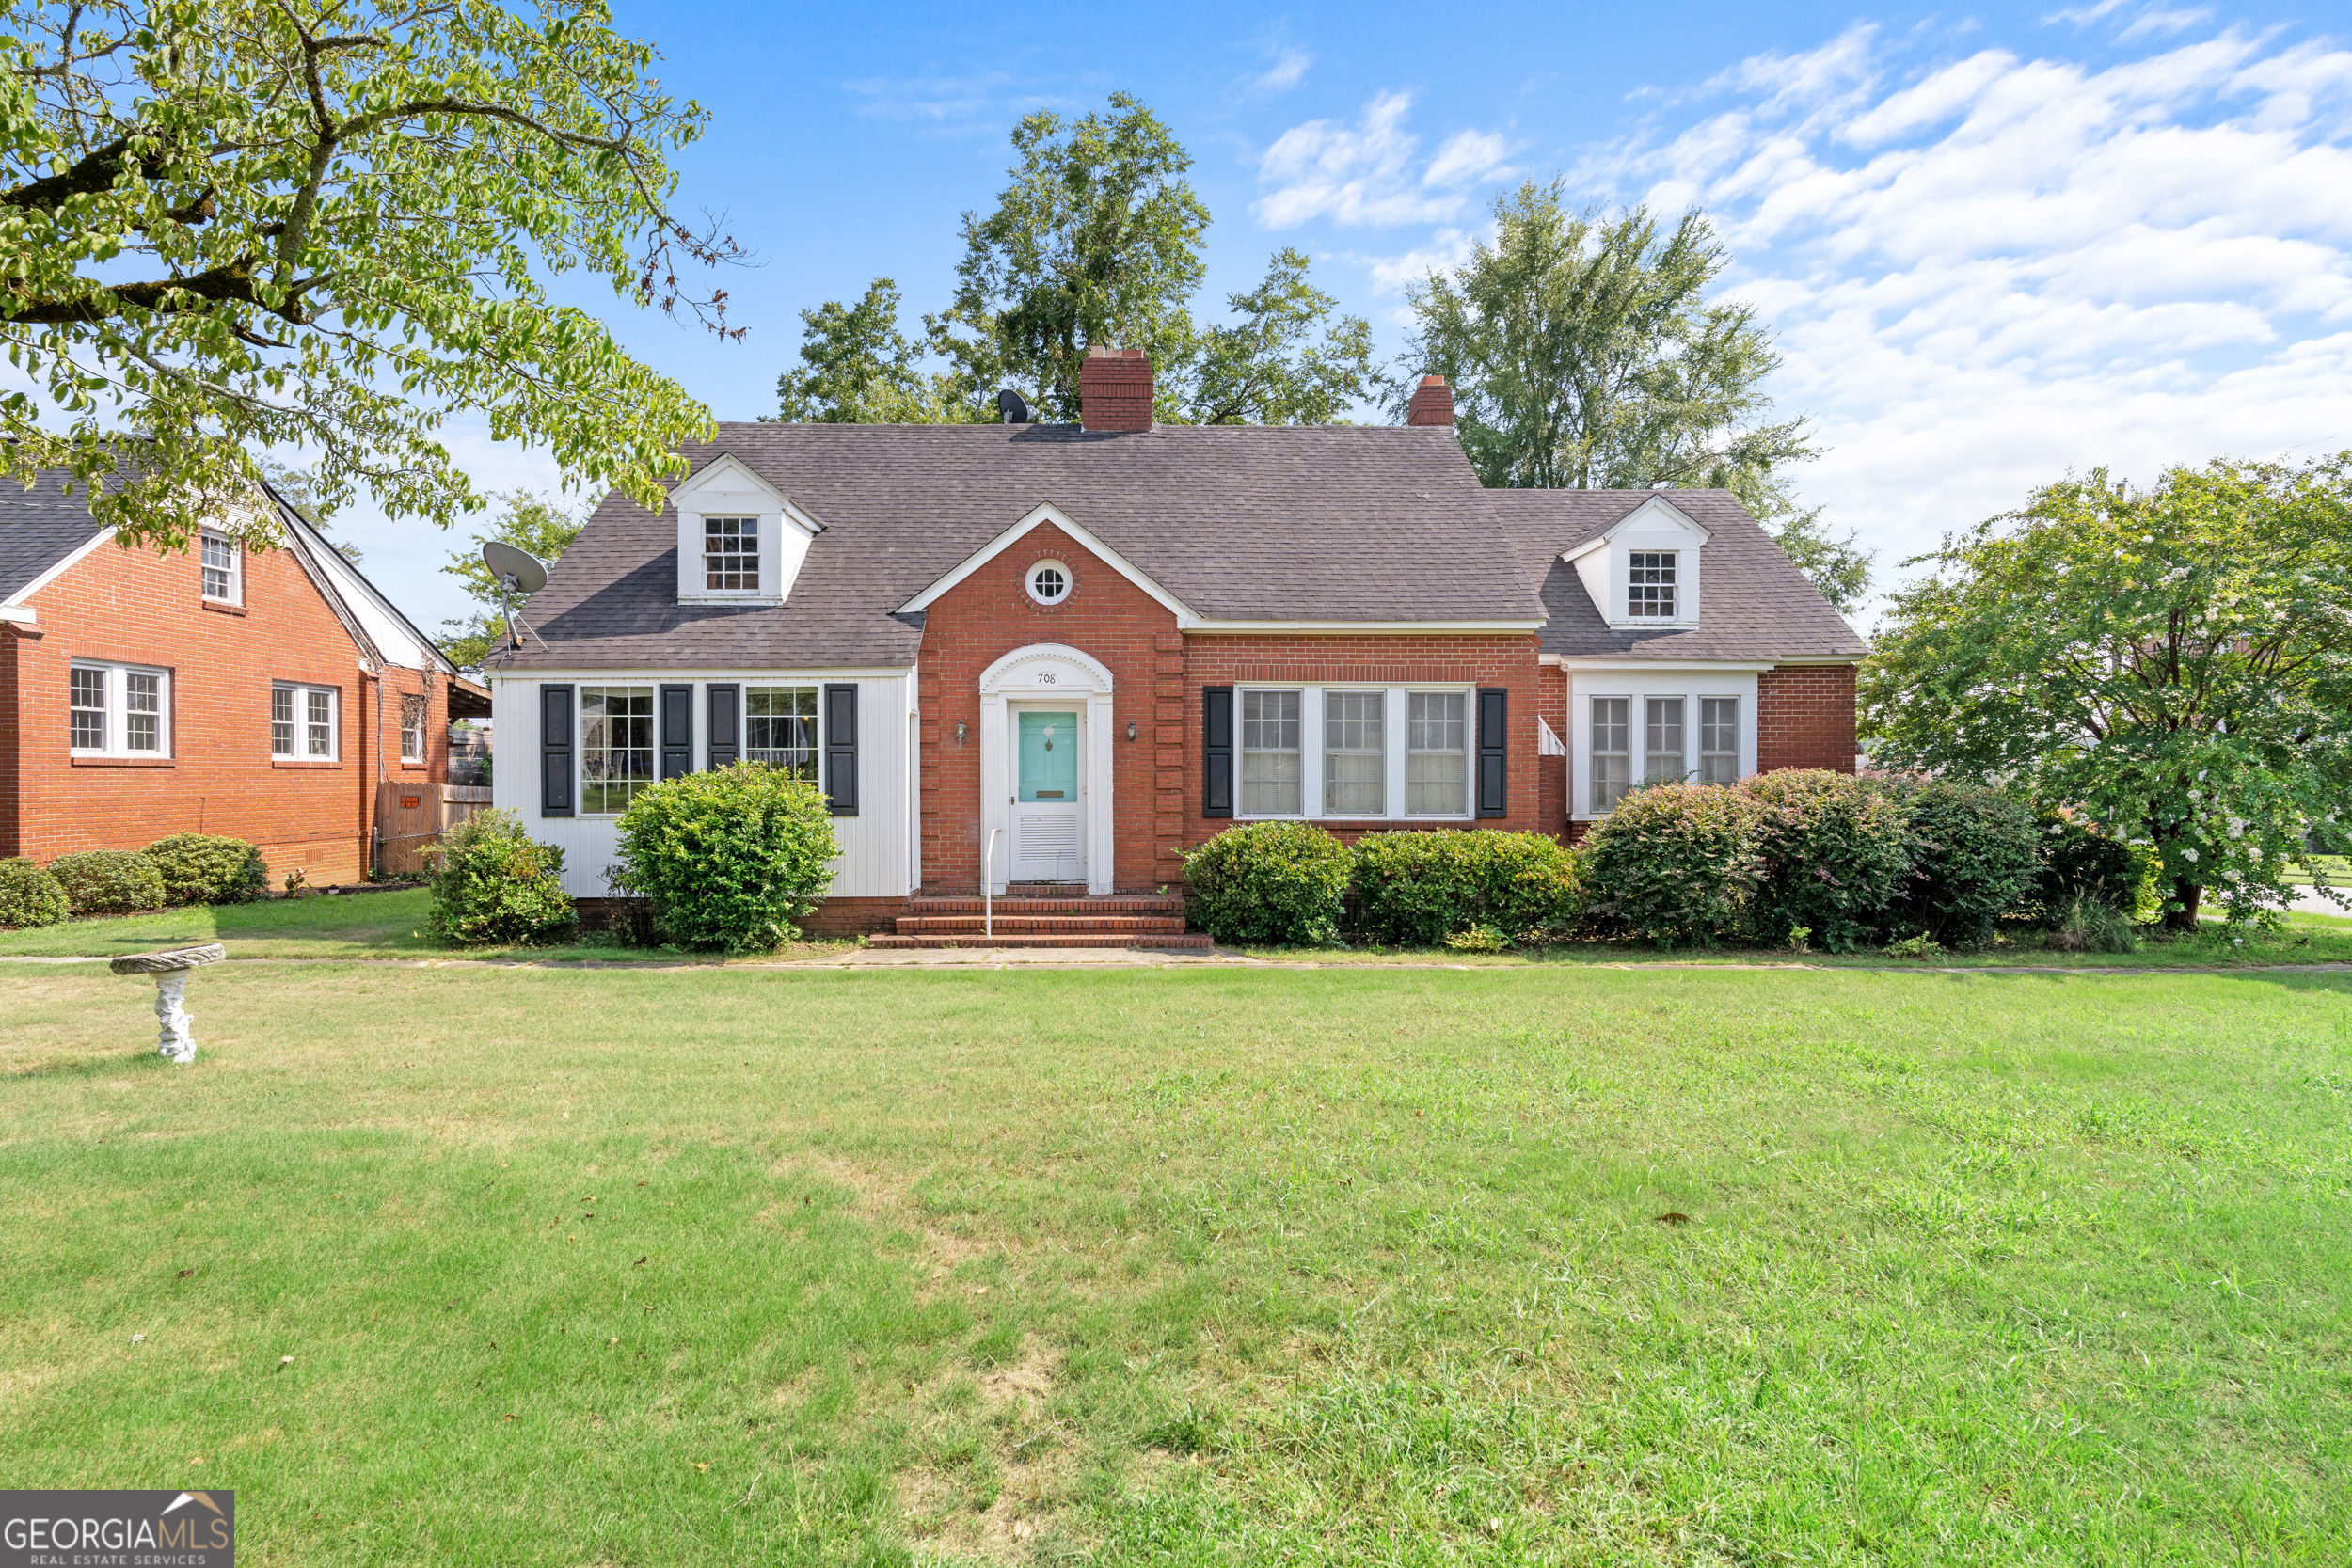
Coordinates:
[1993,245]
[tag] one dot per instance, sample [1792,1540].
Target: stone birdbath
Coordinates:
[170,970]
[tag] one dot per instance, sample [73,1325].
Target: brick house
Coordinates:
[1053,658]
[256,694]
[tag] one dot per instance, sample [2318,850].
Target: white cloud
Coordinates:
[2000,269]
[1289,66]
[1364,174]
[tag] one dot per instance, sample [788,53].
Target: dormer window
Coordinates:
[1650,585]
[731,554]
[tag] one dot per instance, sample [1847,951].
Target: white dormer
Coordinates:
[739,539]
[1644,573]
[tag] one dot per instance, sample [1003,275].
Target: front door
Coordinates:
[1048,817]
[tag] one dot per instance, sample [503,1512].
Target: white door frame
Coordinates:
[1057,673]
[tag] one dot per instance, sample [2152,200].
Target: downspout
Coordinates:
[376,828]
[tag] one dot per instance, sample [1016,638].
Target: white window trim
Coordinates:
[579,736]
[727,488]
[1069,581]
[425,720]
[118,720]
[744,720]
[1636,690]
[236,568]
[300,738]
[1395,712]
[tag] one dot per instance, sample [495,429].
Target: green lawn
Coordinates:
[633,1266]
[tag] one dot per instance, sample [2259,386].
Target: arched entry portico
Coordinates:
[1030,699]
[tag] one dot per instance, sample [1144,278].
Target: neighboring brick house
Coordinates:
[1060,657]
[257,693]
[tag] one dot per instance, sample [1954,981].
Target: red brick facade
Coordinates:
[143,606]
[1805,718]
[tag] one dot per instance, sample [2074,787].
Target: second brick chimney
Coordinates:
[1433,403]
[1114,389]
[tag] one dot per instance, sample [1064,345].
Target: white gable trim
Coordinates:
[728,466]
[1054,514]
[1674,517]
[73,558]
[726,486]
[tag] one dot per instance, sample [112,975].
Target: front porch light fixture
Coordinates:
[958,731]
[1131,729]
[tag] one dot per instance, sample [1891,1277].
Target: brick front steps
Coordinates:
[1056,920]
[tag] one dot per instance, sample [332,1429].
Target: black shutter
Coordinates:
[725,702]
[1217,751]
[555,750]
[841,749]
[677,730]
[1493,732]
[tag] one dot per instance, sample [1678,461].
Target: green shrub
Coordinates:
[1416,889]
[108,881]
[200,869]
[2078,861]
[1270,885]
[1676,862]
[493,884]
[29,896]
[1835,852]
[730,859]
[1974,855]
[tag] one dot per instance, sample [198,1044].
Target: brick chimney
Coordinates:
[1114,389]
[1433,403]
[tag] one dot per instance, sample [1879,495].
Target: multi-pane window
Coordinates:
[731,554]
[1662,740]
[1612,751]
[1650,585]
[1355,753]
[615,746]
[1718,740]
[115,710]
[780,728]
[88,697]
[302,725]
[221,568]
[412,729]
[1437,754]
[1271,775]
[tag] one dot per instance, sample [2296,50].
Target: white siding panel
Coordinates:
[877,859]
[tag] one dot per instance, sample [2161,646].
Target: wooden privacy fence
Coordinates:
[411,818]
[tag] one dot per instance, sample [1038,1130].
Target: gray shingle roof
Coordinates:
[38,527]
[1239,522]
[1754,605]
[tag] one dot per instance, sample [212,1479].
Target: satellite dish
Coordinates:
[517,572]
[516,569]
[1010,405]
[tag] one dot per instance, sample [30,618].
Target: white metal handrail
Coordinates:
[988,882]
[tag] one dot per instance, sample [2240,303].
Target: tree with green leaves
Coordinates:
[2173,662]
[234,226]
[1098,240]
[857,368]
[1835,564]
[541,525]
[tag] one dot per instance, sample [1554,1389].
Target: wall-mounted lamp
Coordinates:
[958,731]
[1131,729]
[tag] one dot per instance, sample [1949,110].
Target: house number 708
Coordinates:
[1047,678]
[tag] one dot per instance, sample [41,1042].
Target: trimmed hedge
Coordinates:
[1973,856]
[109,882]
[730,859]
[494,884]
[1270,885]
[1418,888]
[29,896]
[1676,863]
[1836,853]
[198,868]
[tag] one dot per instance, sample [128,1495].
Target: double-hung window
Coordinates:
[615,747]
[1272,776]
[1437,754]
[223,568]
[1649,593]
[1355,753]
[1612,751]
[412,710]
[731,554]
[302,722]
[119,711]
[1718,740]
[780,728]
[1662,740]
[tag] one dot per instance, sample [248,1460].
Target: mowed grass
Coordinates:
[1497,1267]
